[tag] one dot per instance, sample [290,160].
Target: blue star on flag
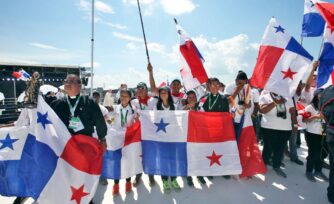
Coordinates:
[161,125]
[279,28]
[8,142]
[312,4]
[43,118]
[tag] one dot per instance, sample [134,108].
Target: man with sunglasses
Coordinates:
[80,113]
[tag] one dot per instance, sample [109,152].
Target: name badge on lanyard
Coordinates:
[75,123]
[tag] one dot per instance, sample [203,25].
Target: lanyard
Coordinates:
[124,118]
[243,95]
[214,102]
[142,107]
[72,109]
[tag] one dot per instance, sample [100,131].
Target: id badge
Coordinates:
[76,124]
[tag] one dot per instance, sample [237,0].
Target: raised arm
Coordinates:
[310,76]
[152,81]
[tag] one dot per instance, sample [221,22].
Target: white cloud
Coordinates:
[137,75]
[5,58]
[84,5]
[43,46]
[88,64]
[115,25]
[142,2]
[103,7]
[100,6]
[172,7]
[224,57]
[177,7]
[255,46]
[127,37]
[156,47]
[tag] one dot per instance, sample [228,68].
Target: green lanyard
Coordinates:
[214,102]
[124,118]
[141,107]
[72,109]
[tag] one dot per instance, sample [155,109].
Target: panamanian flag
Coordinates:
[23,75]
[182,143]
[191,63]
[56,166]
[325,70]
[281,62]
[123,157]
[12,140]
[313,23]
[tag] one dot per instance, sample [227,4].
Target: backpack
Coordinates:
[327,106]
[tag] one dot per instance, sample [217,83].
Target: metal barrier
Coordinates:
[9,110]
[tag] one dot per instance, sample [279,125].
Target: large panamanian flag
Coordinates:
[191,61]
[182,143]
[281,62]
[56,166]
[313,23]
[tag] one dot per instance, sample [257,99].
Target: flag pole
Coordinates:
[142,26]
[321,46]
[92,51]
[322,41]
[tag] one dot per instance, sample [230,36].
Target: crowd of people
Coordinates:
[278,122]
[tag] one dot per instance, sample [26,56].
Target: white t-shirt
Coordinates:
[104,110]
[270,119]
[151,103]
[308,95]
[178,101]
[314,126]
[127,113]
[255,95]
[229,90]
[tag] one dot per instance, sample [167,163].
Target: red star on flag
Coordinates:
[288,74]
[77,194]
[214,158]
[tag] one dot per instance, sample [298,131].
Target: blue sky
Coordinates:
[227,32]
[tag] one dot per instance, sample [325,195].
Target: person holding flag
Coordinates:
[80,113]
[214,101]
[123,116]
[166,103]
[192,105]
[241,104]
[143,102]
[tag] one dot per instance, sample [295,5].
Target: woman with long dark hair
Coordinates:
[165,103]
